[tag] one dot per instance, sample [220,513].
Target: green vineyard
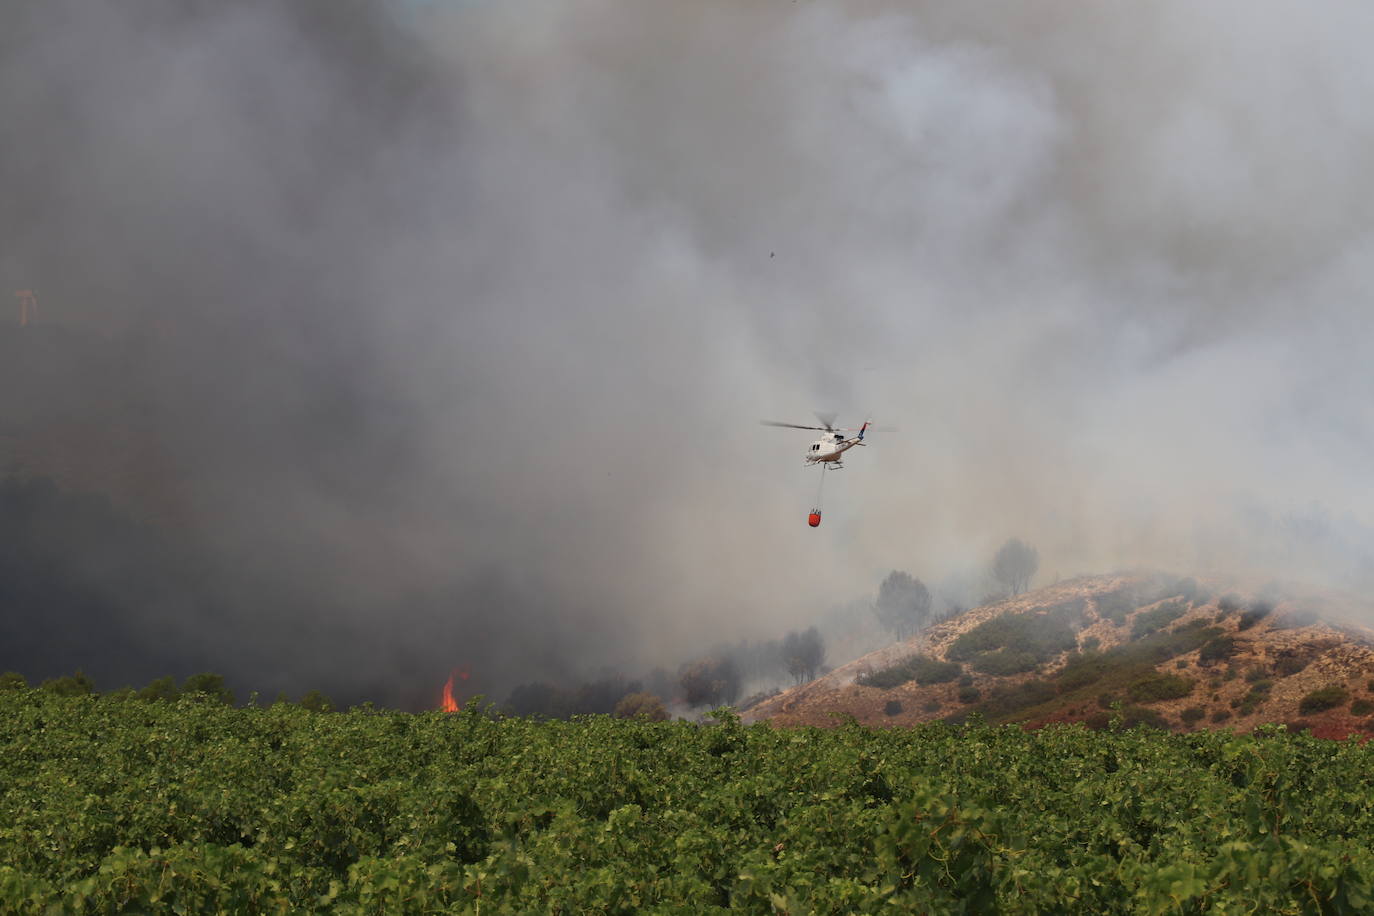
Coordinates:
[112,805]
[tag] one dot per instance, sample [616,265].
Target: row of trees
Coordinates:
[206,685]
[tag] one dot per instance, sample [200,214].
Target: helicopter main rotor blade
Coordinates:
[827,417]
[794,425]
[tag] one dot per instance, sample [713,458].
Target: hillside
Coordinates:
[1182,654]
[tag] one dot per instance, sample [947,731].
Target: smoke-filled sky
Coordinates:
[443,329]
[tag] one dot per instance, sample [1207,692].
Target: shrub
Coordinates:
[163,688]
[1091,644]
[1250,702]
[13,680]
[1020,696]
[1040,635]
[1116,605]
[1192,714]
[1133,716]
[1258,611]
[1147,622]
[919,668]
[969,695]
[1005,661]
[641,706]
[1325,698]
[1221,715]
[932,706]
[893,707]
[316,701]
[1181,664]
[70,685]
[1361,707]
[966,681]
[1216,649]
[927,671]
[209,685]
[1158,687]
[885,678]
[1082,670]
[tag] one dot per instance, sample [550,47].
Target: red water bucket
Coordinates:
[814,519]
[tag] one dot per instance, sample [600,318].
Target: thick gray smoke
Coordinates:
[444,328]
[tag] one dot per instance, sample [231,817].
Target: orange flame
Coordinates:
[447,703]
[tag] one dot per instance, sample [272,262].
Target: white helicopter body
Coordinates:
[829,449]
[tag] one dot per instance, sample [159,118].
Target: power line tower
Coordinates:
[28,305]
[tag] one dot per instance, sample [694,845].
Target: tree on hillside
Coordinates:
[13,680]
[803,654]
[1015,564]
[903,604]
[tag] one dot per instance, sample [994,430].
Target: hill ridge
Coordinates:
[1136,646]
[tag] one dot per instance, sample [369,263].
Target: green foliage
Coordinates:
[316,701]
[113,806]
[892,708]
[1254,698]
[208,685]
[13,680]
[1327,697]
[1156,687]
[1147,622]
[1005,661]
[1042,635]
[969,695]
[71,685]
[164,688]
[1361,707]
[922,669]
[1127,717]
[1192,714]
[1015,697]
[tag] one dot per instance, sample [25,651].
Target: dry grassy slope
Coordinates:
[1315,627]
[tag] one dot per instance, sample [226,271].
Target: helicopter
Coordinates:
[828,451]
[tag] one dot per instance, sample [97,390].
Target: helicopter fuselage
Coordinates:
[830,448]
